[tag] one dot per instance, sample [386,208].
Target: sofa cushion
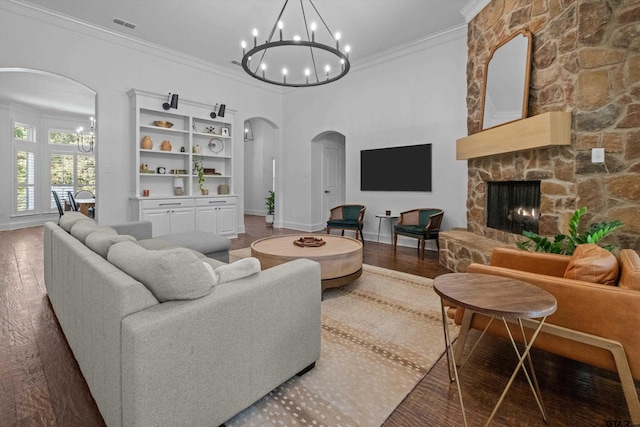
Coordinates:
[591,263]
[170,274]
[102,239]
[70,218]
[240,269]
[629,269]
[81,229]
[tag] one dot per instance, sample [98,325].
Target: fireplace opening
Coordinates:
[513,206]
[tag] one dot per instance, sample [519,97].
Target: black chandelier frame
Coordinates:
[310,43]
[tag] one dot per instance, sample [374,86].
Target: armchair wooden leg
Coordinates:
[328,230]
[395,242]
[422,242]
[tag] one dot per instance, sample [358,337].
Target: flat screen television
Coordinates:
[406,168]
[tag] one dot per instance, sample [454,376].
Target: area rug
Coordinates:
[380,336]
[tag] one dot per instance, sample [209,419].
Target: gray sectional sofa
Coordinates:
[234,334]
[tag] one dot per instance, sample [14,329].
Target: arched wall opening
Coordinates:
[42,101]
[261,165]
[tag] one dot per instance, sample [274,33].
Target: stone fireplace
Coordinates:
[586,61]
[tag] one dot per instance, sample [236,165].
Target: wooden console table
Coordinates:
[494,296]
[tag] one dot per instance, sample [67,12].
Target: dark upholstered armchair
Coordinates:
[422,224]
[347,217]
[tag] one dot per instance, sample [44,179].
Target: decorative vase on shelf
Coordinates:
[146,143]
[165,146]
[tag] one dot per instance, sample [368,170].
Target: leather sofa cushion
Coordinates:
[170,274]
[591,263]
[629,269]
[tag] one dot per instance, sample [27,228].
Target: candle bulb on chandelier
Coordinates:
[327,69]
[306,73]
[263,67]
[284,75]
[255,37]
[244,47]
[313,31]
[342,63]
[347,49]
[338,40]
[280,26]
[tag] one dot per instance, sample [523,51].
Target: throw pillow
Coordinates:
[171,274]
[242,268]
[70,218]
[591,263]
[81,229]
[101,240]
[629,270]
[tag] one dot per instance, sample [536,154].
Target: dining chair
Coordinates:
[72,202]
[85,194]
[58,204]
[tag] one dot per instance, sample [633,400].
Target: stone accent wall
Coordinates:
[585,59]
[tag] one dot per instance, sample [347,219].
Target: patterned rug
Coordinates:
[380,336]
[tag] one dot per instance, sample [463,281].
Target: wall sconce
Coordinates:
[220,111]
[172,102]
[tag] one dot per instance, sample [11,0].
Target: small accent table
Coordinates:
[390,218]
[494,296]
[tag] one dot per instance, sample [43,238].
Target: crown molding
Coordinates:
[411,47]
[472,8]
[72,24]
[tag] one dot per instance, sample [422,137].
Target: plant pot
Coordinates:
[205,192]
[269,219]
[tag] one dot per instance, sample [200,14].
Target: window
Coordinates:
[71,172]
[25,181]
[62,137]
[61,176]
[24,132]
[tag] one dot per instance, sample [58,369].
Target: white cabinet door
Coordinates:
[160,220]
[226,220]
[206,219]
[182,220]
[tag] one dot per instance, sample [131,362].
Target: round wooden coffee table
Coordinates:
[340,258]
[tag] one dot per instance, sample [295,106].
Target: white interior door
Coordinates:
[333,175]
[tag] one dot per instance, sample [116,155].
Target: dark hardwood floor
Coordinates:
[41,383]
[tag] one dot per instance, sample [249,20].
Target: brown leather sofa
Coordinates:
[594,323]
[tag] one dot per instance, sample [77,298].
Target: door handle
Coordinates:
[327,191]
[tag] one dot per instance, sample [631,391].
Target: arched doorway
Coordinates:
[328,174]
[42,112]
[261,149]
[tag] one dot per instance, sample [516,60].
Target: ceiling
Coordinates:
[212,30]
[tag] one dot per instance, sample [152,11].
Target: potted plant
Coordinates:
[566,245]
[271,205]
[199,168]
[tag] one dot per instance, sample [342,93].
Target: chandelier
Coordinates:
[86,141]
[302,60]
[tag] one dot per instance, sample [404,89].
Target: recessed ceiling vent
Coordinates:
[124,23]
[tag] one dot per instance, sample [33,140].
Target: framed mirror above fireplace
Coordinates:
[506,85]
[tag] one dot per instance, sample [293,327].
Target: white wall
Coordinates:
[415,98]
[112,65]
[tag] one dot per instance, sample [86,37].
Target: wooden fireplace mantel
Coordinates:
[543,130]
